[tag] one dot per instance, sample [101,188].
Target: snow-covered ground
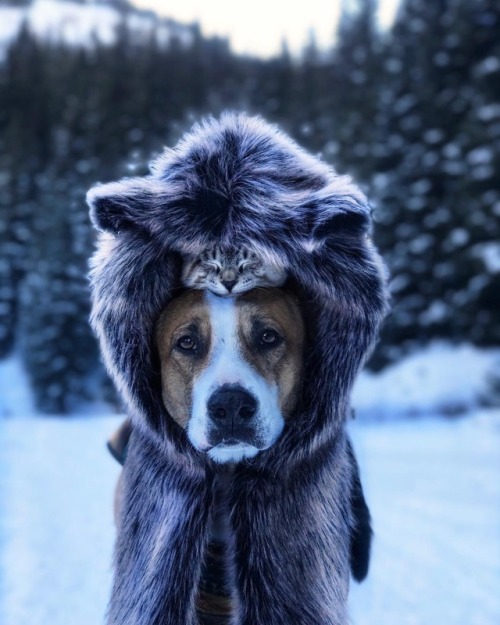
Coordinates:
[433,486]
[16,398]
[441,378]
[56,525]
[432,483]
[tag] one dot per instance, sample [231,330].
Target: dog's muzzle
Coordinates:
[232,411]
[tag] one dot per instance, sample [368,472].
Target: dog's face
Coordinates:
[231,368]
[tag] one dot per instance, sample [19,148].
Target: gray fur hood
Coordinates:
[237,180]
[289,510]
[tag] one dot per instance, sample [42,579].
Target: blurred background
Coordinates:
[411,109]
[403,96]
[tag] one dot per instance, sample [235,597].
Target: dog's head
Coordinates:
[231,368]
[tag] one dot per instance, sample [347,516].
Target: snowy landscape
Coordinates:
[91,90]
[432,482]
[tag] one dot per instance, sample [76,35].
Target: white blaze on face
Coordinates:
[227,366]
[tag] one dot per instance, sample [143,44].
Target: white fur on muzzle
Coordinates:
[226,366]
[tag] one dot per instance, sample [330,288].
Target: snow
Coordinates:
[416,203]
[56,527]
[420,243]
[434,492]
[452,150]
[488,112]
[489,65]
[78,24]
[490,254]
[52,19]
[404,103]
[442,59]
[443,378]
[480,156]
[453,168]
[394,66]
[459,236]
[10,24]
[436,312]
[434,135]
[72,22]
[430,158]
[432,486]
[399,282]
[421,187]
[15,395]
[482,172]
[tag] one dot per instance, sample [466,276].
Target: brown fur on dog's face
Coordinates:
[185,316]
[275,310]
[253,342]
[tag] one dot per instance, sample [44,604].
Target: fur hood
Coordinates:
[237,180]
[289,510]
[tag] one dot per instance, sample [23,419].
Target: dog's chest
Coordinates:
[214,603]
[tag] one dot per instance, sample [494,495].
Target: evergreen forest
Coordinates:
[411,113]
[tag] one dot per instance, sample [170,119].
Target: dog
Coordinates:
[234,459]
[231,370]
[231,374]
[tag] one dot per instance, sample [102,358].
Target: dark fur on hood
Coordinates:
[236,181]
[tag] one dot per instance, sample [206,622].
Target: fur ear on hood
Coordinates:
[118,206]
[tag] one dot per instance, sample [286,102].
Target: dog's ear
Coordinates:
[124,205]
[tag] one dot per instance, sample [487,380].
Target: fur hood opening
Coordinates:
[237,181]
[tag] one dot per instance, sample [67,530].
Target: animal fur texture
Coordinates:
[230,271]
[236,181]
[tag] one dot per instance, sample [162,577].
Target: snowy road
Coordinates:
[433,487]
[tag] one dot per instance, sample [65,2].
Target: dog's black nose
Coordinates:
[229,284]
[231,403]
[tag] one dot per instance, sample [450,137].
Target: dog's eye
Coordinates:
[186,343]
[269,338]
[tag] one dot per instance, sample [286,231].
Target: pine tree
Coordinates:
[427,198]
[57,348]
[478,197]
[356,82]
[22,159]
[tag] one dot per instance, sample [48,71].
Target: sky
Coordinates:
[259,26]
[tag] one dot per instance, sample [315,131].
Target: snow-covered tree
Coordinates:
[432,152]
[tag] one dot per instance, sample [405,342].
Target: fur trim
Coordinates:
[238,181]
